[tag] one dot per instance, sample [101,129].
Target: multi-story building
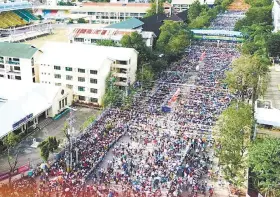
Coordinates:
[84,68]
[91,36]
[100,13]
[19,62]
[276,15]
[182,5]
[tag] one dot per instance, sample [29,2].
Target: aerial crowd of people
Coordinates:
[143,151]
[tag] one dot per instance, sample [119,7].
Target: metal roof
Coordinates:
[131,23]
[17,50]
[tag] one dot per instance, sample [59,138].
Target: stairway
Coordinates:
[44,123]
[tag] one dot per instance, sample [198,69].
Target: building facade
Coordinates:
[92,36]
[19,62]
[98,13]
[84,68]
[24,105]
[276,15]
[182,5]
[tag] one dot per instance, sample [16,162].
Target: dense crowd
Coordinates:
[149,152]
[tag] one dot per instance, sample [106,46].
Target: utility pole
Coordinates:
[156,6]
[71,120]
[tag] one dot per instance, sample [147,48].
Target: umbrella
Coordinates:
[43,166]
[30,173]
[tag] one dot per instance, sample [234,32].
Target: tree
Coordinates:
[113,95]
[174,38]
[106,43]
[153,9]
[81,20]
[273,44]
[233,135]
[145,75]
[248,73]
[264,159]
[194,10]
[135,40]
[48,146]
[10,141]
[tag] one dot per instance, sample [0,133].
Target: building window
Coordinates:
[18,77]
[93,72]
[93,90]
[93,80]
[81,79]
[80,88]
[57,84]
[94,100]
[57,67]
[57,76]
[65,101]
[69,77]
[121,62]
[2,66]
[79,39]
[1,75]
[69,86]
[59,104]
[81,70]
[68,68]
[82,98]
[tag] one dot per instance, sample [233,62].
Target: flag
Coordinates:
[202,56]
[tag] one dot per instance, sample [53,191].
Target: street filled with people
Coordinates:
[161,146]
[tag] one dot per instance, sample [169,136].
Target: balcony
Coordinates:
[121,83]
[120,66]
[1,60]
[123,75]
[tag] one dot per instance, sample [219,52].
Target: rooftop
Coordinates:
[17,50]
[131,23]
[21,99]
[81,55]
[107,33]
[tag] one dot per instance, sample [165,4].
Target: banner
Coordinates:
[22,169]
[174,97]
[4,176]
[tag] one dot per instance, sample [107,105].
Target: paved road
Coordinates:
[27,153]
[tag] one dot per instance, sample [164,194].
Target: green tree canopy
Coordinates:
[113,95]
[106,43]
[273,44]
[194,10]
[233,135]
[48,146]
[257,16]
[145,75]
[174,38]
[248,72]
[264,159]
[153,9]
[135,41]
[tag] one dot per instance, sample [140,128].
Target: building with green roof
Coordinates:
[132,23]
[18,61]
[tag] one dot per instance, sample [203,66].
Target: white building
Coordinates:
[19,62]
[91,36]
[84,68]
[23,105]
[276,15]
[98,12]
[182,5]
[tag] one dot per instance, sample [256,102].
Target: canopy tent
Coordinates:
[217,32]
